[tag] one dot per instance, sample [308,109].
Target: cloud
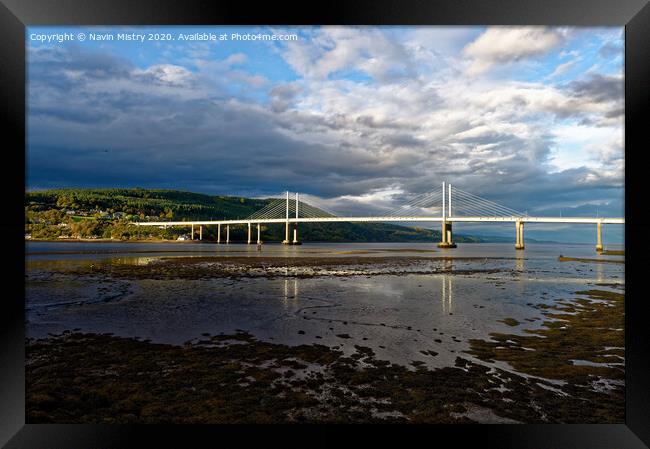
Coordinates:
[562,68]
[610,50]
[332,49]
[166,74]
[223,74]
[502,45]
[252,80]
[599,88]
[566,53]
[282,96]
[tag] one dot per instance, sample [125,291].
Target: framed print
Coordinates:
[422,215]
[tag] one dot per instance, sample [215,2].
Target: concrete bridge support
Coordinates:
[200,232]
[227,233]
[286,240]
[249,233]
[192,231]
[259,234]
[599,237]
[447,236]
[519,231]
[295,235]
[219,233]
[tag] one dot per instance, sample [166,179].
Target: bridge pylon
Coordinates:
[286,240]
[295,226]
[447,240]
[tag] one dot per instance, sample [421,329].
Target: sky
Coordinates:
[358,118]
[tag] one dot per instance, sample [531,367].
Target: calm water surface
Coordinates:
[399,315]
[80,250]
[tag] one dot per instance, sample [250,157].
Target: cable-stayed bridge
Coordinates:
[446,205]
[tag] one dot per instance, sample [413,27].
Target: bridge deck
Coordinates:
[438,219]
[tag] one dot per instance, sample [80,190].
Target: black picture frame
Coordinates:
[15,15]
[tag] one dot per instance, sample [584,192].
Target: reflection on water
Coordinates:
[98,250]
[290,292]
[600,273]
[447,293]
[374,305]
[519,261]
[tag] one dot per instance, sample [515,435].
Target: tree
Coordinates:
[64,201]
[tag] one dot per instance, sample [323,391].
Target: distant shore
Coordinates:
[119,241]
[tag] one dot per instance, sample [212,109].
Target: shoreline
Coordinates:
[117,241]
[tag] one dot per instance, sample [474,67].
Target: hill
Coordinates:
[106,213]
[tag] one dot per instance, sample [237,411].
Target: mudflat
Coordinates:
[432,339]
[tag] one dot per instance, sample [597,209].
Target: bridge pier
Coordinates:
[286,240]
[192,231]
[295,235]
[249,233]
[599,237]
[519,231]
[227,233]
[201,232]
[219,233]
[447,236]
[259,234]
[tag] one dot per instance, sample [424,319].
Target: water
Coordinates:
[96,250]
[400,307]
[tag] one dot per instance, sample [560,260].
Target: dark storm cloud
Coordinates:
[137,136]
[600,88]
[371,122]
[610,50]
[69,68]
[77,116]
[282,96]
[541,191]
